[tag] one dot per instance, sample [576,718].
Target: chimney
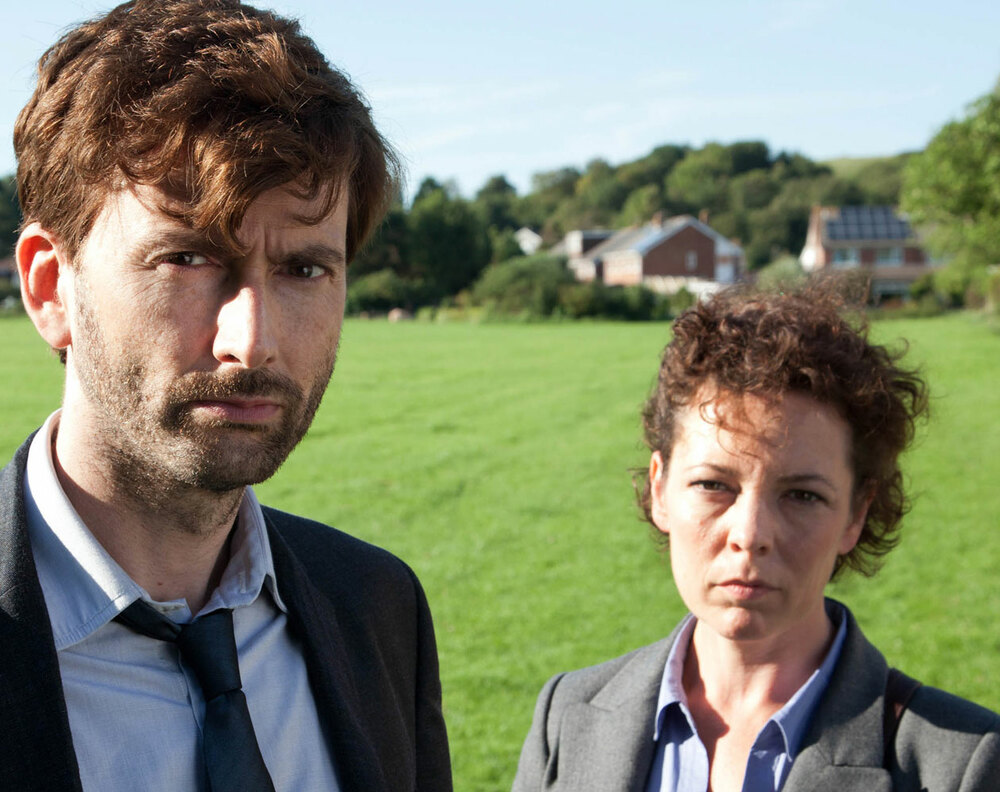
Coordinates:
[703,216]
[657,219]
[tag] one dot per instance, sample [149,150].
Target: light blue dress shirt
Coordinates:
[134,712]
[680,762]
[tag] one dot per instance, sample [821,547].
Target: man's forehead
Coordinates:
[287,206]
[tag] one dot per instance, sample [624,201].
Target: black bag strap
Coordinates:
[899,689]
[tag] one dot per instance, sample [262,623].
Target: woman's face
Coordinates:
[757,511]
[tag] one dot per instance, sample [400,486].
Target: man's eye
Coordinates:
[306,271]
[185,259]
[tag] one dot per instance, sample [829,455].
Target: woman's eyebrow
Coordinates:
[806,478]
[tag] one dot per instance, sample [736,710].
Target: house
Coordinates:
[663,255]
[576,245]
[528,240]
[874,238]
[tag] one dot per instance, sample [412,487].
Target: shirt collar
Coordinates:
[791,720]
[671,685]
[85,587]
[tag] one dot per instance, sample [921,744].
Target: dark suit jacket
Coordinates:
[358,611]
[593,731]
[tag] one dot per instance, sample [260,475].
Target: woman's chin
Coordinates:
[740,623]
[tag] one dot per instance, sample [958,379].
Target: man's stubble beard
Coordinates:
[154,446]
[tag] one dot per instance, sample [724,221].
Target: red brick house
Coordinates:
[681,252]
[874,238]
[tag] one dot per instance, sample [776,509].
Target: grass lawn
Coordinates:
[495,460]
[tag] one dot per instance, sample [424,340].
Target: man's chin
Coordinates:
[222,476]
[237,460]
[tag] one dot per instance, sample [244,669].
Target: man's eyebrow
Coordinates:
[179,239]
[318,253]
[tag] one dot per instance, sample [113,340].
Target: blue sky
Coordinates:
[466,90]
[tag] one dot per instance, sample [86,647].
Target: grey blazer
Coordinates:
[362,621]
[593,731]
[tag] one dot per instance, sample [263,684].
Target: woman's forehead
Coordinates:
[761,425]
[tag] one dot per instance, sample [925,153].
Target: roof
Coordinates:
[867,223]
[619,240]
[647,237]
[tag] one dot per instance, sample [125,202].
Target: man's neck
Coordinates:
[175,548]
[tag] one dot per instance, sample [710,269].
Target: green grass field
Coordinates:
[495,459]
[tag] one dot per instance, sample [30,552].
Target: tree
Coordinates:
[748,155]
[503,245]
[560,181]
[952,189]
[448,244]
[10,215]
[427,186]
[598,189]
[549,189]
[881,179]
[641,205]
[651,169]
[783,273]
[754,189]
[382,291]
[700,180]
[526,285]
[496,201]
[387,249]
[769,237]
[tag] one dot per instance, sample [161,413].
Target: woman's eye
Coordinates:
[709,486]
[806,496]
[185,258]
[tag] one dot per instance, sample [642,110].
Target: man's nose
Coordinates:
[752,524]
[245,331]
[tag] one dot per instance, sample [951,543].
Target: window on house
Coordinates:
[888,257]
[691,260]
[845,258]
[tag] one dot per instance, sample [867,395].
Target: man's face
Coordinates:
[197,365]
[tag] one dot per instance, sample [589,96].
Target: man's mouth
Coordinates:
[238,410]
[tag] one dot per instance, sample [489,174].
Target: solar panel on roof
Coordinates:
[866,222]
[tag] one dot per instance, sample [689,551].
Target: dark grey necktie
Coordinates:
[208,648]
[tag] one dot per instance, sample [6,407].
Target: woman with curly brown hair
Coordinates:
[775,431]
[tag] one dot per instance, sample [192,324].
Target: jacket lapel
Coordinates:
[36,752]
[843,748]
[607,743]
[313,620]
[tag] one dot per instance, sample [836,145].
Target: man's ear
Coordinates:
[657,480]
[40,263]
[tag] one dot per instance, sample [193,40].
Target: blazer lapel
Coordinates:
[608,741]
[843,749]
[314,622]
[37,750]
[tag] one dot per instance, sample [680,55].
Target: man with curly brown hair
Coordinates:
[195,178]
